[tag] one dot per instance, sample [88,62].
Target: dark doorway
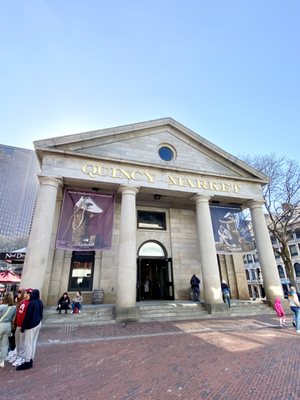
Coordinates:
[155,279]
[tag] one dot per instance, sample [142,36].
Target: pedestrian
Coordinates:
[77,302]
[20,336]
[31,326]
[195,285]
[64,303]
[279,311]
[7,313]
[295,306]
[226,292]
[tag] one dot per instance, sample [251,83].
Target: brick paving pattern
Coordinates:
[213,359]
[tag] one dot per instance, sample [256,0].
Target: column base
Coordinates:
[215,308]
[127,314]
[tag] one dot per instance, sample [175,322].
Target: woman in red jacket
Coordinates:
[20,336]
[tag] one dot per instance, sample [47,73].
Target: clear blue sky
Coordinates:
[229,70]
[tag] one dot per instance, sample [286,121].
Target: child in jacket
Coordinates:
[279,311]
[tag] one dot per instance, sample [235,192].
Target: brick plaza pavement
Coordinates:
[212,359]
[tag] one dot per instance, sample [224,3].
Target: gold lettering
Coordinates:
[114,173]
[190,183]
[125,173]
[149,176]
[225,187]
[180,182]
[133,173]
[236,188]
[90,170]
[172,181]
[213,186]
[201,184]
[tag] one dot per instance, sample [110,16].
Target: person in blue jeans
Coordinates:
[77,302]
[225,293]
[294,306]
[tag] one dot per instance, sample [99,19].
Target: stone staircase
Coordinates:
[103,314]
[245,308]
[171,311]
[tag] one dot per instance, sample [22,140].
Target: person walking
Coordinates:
[294,306]
[20,336]
[31,326]
[226,293]
[195,285]
[279,311]
[7,314]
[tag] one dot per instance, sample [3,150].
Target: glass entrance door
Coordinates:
[155,279]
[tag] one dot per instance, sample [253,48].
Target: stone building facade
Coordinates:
[164,178]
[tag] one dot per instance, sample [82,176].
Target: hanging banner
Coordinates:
[231,230]
[86,221]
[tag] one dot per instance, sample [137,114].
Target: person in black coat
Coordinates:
[64,303]
[31,326]
[195,285]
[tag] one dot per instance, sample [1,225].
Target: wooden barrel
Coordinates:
[98,296]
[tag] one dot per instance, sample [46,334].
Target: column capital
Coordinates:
[128,190]
[254,204]
[200,198]
[49,181]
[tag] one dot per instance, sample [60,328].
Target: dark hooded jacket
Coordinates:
[34,312]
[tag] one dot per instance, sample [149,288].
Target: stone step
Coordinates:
[154,311]
[90,315]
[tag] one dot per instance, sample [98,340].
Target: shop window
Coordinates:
[297,269]
[281,271]
[293,250]
[151,220]
[81,273]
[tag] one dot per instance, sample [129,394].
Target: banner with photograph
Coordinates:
[231,230]
[86,221]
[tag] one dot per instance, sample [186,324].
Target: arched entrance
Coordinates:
[154,273]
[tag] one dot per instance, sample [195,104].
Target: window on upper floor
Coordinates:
[151,220]
[253,274]
[297,233]
[297,269]
[273,239]
[255,256]
[281,271]
[293,250]
[247,275]
[249,258]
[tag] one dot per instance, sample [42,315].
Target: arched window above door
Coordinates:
[151,249]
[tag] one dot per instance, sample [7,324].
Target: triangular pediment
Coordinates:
[139,143]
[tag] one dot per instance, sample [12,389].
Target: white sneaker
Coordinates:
[12,359]
[79,311]
[18,362]
[2,364]
[10,355]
